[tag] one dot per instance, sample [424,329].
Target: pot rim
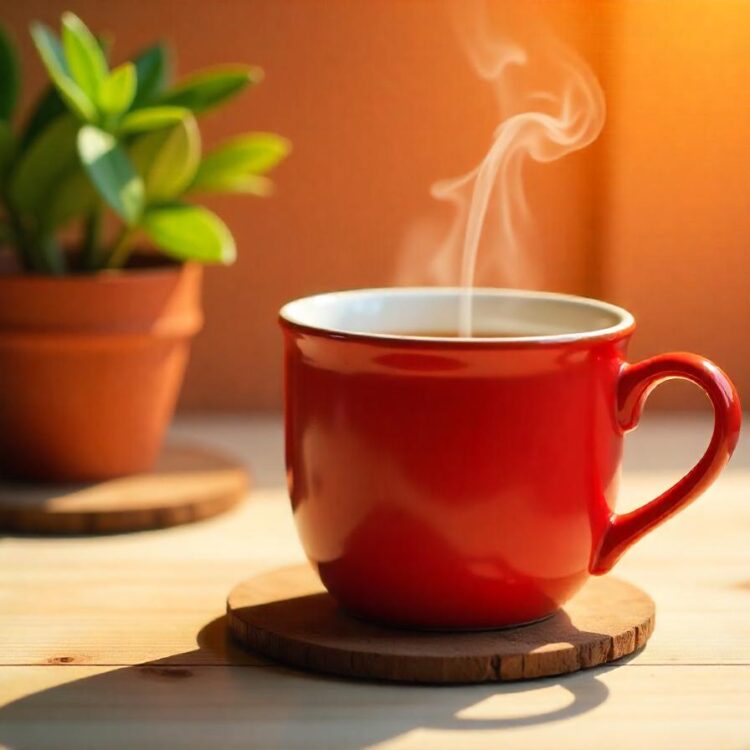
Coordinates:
[105,275]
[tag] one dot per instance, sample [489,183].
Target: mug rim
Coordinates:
[290,318]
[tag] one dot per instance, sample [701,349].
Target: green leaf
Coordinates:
[73,197]
[211,87]
[40,167]
[84,55]
[153,69]
[48,107]
[10,75]
[117,90]
[152,118]
[109,168]
[7,147]
[187,232]
[53,58]
[168,159]
[250,184]
[233,164]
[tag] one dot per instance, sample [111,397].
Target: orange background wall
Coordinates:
[675,212]
[380,101]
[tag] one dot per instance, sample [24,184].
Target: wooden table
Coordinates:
[119,642]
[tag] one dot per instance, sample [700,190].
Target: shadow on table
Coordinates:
[194,699]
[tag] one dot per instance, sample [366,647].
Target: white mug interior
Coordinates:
[427,312]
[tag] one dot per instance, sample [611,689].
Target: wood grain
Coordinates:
[133,598]
[288,616]
[151,606]
[187,484]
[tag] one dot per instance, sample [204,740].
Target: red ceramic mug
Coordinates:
[444,482]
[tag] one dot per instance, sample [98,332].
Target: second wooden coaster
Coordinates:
[287,616]
[187,484]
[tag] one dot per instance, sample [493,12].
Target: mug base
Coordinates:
[443,629]
[286,615]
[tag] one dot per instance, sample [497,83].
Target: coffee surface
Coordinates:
[454,334]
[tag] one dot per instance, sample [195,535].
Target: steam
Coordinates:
[550,105]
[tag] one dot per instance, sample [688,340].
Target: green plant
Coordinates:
[114,153]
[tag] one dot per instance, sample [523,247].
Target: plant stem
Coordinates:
[19,236]
[91,238]
[53,258]
[37,250]
[121,249]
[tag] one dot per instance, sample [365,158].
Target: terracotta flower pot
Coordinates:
[90,369]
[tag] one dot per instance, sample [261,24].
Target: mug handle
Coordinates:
[634,385]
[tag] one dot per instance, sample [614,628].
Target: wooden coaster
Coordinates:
[187,484]
[287,616]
